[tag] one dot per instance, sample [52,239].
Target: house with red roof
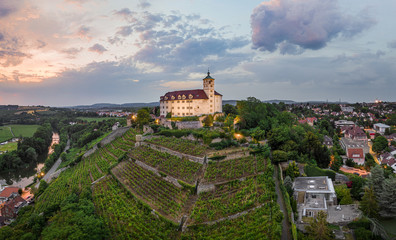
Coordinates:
[356,154]
[7,193]
[195,102]
[12,206]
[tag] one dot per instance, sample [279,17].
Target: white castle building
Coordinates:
[192,102]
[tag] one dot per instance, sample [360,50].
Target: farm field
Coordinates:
[17,130]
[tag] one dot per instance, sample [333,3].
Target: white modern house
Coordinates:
[380,127]
[313,194]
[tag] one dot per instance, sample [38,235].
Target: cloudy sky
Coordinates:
[71,52]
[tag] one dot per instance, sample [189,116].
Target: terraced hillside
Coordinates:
[142,193]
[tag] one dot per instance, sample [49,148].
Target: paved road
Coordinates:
[373,153]
[286,229]
[55,166]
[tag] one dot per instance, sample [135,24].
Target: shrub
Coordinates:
[314,171]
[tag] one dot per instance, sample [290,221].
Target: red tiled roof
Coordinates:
[8,191]
[196,94]
[353,151]
[389,161]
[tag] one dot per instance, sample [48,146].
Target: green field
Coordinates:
[96,119]
[9,147]
[17,130]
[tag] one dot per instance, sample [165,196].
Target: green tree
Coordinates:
[143,117]
[369,204]
[292,170]
[257,134]
[343,194]
[376,179]
[288,183]
[386,198]
[208,121]
[369,161]
[318,228]
[279,156]
[379,144]
[230,109]
[357,187]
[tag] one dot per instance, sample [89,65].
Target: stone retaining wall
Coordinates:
[156,172]
[205,188]
[200,160]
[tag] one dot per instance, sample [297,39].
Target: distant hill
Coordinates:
[112,105]
[154,104]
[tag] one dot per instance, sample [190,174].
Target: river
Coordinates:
[23,177]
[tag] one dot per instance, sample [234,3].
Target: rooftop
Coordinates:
[314,184]
[381,125]
[8,191]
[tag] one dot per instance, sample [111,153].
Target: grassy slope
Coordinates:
[18,130]
[5,134]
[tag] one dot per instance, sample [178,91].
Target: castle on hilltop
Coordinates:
[196,102]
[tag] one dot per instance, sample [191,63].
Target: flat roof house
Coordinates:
[380,127]
[313,194]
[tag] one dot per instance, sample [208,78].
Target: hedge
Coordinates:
[314,171]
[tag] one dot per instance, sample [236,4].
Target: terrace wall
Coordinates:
[200,160]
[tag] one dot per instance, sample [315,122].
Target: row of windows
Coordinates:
[163,107]
[182,114]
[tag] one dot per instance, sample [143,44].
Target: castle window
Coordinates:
[178,107]
[173,107]
[173,97]
[210,100]
[166,98]
[190,96]
[182,107]
[184,96]
[179,97]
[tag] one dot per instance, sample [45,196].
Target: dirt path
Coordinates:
[286,230]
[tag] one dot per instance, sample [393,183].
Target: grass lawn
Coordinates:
[5,134]
[96,119]
[9,147]
[18,130]
[24,130]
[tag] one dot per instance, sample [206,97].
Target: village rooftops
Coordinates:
[314,185]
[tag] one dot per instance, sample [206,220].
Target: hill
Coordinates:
[165,188]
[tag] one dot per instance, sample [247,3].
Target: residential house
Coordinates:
[328,141]
[7,193]
[355,150]
[310,121]
[380,127]
[341,123]
[313,194]
[355,133]
[347,109]
[12,206]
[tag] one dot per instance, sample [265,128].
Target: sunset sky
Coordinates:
[73,52]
